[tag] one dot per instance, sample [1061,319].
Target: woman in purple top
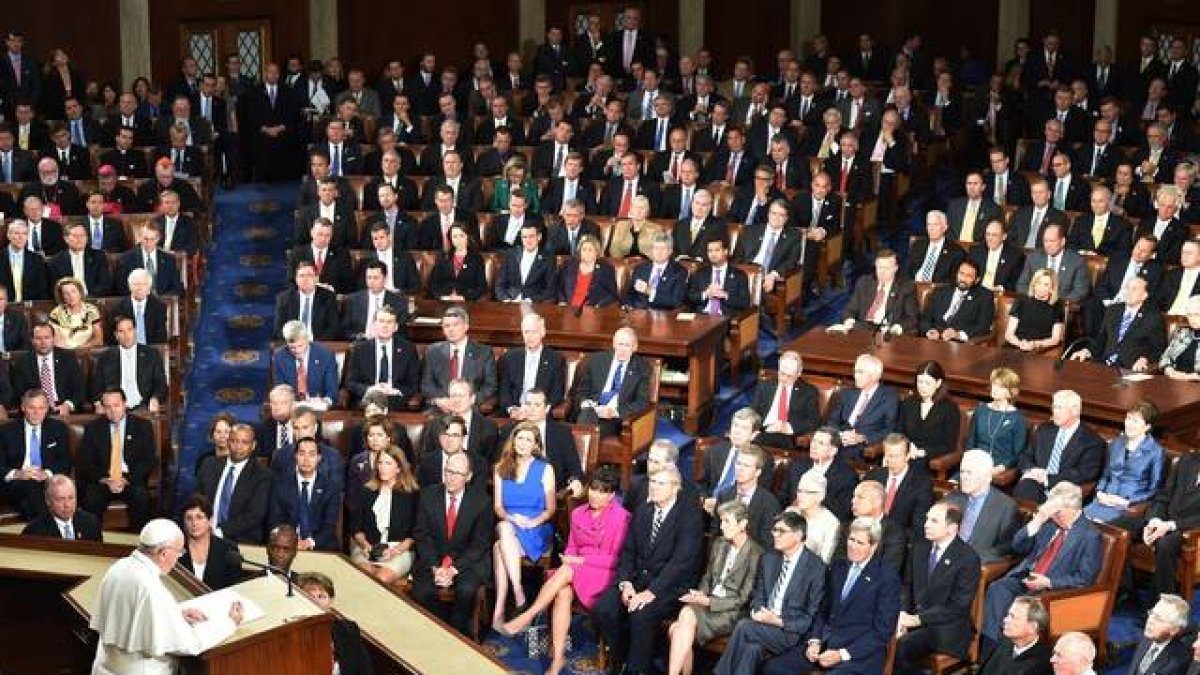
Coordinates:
[589,563]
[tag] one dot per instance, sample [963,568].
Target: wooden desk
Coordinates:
[968,367]
[659,334]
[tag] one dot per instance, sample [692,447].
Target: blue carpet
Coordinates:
[245,270]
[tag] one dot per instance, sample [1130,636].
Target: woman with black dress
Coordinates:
[1037,321]
[929,418]
[207,556]
[458,275]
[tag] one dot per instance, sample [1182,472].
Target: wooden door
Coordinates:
[210,41]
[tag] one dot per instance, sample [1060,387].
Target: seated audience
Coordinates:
[1037,321]
[990,517]
[115,458]
[557,441]
[52,370]
[1179,360]
[449,437]
[458,274]
[385,363]
[718,288]
[148,311]
[613,385]
[311,305]
[663,452]
[961,311]
[209,558]
[1070,281]
[1166,645]
[239,488]
[998,427]
[770,245]
[866,412]
[63,518]
[1100,231]
[868,502]
[85,264]
[308,367]
[1063,449]
[382,534]
[826,459]
[457,356]
[76,322]
[135,369]
[514,179]
[1135,467]
[1074,654]
[748,468]
[930,418]
[788,405]
[585,280]
[378,436]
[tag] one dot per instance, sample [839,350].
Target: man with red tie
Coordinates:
[788,405]
[1061,549]
[456,357]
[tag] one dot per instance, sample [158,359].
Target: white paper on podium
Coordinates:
[216,606]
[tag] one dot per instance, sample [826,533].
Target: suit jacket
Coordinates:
[150,374]
[942,596]
[537,286]
[1082,459]
[974,316]
[1118,236]
[1173,659]
[1074,283]
[1105,160]
[610,199]
[325,322]
[35,284]
[1008,267]
[840,477]
[671,290]
[1178,500]
[357,309]
[685,245]
[322,371]
[805,590]
[995,525]
[614,44]
[553,195]
[718,167]
[914,497]
[404,366]
[52,242]
[78,164]
[1145,338]
[476,364]
[407,196]
[469,547]
[1078,192]
[201,129]
[55,448]
[830,217]
[668,566]
[715,462]
[16,330]
[1018,232]
[343,224]
[139,451]
[858,180]
[956,212]
[24,165]
[155,319]
[336,271]
[734,282]
[247,517]
[324,505]
[803,406]
[865,620]
[784,258]
[430,161]
[877,420]
[1170,243]
[85,525]
[1016,187]
[1114,273]
[900,308]
[1077,563]
[149,196]
[738,582]
[550,377]
[143,132]
[602,291]
[1034,661]
[661,164]
[166,277]
[635,385]
[185,238]
[1167,290]
[485,133]
[96,272]
[948,260]
[191,164]
[470,281]
[69,382]
[218,573]
[428,235]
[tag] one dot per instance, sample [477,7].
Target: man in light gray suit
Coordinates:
[457,357]
[641,100]
[1069,267]
[989,516]
[366,97]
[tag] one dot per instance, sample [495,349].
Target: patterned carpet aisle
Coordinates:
[245,270]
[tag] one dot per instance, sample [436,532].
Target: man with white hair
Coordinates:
[141,627]
[148,311]
[1061,550]
[867,412]
[309,367]
[1100,231]
[1074,654]
[1063,449]
[989,516]
[1163,647]
[934,257]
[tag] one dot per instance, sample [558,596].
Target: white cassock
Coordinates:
[141,626]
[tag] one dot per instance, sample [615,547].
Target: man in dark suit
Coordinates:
[787,405]
[14,328]
[1166,645]
[1002,179]
[127,116]
[63,518]
[849,170]
[1061,549]
[561,190]
[989,516]
[563,239]
[180,233]
[314,307]
[200,130]
[1100,231]
[660,282]
[1074,282]
[719,471]
[772,246]
[330,206]
[36,447]
[45,234]
[383,362]
[692,206]
[600,132]
[532,366]
[858,614]
[1174,510]
[619,192]
[825,458]
[148,311]
[25,85]
[499,117]
[1069,191]
[627,46]
[457,357]
[667,165]
[105,233]
[66,383]
[549,156]
[238,488]
[787,596]
[718,288]
[272,122]
[149,195]
[1178,284]
[731,162]
[116,456]
[658,563]
[82,262]
[161,265]
[331,262]
[467,190]
[935,257]
[883,300]
[345,157]
[746,471]
[73,160]
[16,165]
[1099,158]
[1180,74]
[613,385]
[1020,650]
[997,261]
[358,319]
[1166,226]
[866,413]
[527,272]
[308,500]
[111,370]
[818,214]
[960,312]
[443,437]
[453,532]
[306,423]
[678,197]
[1039,156]
[1030,221]
[1064,449]
[975,203]
[908,488]
[1132,335]
[940,586]
[186,160]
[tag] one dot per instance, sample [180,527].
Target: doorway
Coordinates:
[210,41]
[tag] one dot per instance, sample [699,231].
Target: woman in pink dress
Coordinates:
[589,564]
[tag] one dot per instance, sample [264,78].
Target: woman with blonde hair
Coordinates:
[76,323]
[515,176]
[1037,320]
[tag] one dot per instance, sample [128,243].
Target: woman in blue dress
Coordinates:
[524,501]
[997,426]
[1135,467]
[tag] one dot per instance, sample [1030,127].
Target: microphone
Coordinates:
[235,558]
[1071,348]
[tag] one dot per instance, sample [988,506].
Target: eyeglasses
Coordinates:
[780,531]
[453,472]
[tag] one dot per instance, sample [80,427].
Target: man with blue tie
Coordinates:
[1063,449]
[659,283]
[310,500]
[858,615]
[35,448]
[239,488]
[787,596]
[613,385]
[1131,334]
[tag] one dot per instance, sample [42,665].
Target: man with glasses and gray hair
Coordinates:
[1164,648]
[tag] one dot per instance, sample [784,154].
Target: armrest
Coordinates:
[637,432]
[944,465]
[1006,478]
[989,572]
[1137,510]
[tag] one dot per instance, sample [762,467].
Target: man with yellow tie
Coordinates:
[968,215]
[1101,231]
[116,459]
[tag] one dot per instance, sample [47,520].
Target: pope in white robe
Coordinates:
[142,629]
